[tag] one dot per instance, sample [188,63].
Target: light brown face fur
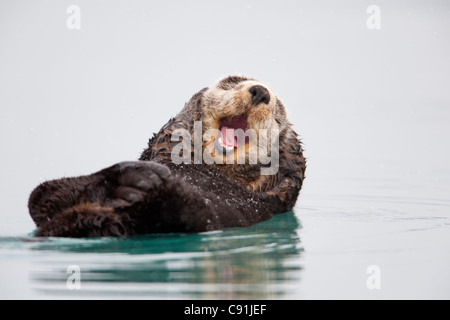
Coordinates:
[232,97]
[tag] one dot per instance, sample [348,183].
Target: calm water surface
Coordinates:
[323,250]
[262,261]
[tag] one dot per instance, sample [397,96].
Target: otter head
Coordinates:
[239,115]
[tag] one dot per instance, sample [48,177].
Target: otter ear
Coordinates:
[280,112]
[193,108]
[195,101]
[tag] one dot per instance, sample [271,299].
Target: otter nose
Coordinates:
[259,94]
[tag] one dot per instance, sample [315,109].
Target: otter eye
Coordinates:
[224,86]
[230,82]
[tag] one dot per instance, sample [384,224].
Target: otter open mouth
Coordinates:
[228,126]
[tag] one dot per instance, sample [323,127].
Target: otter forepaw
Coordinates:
[134,182]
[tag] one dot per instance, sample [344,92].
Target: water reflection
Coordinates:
[261,261]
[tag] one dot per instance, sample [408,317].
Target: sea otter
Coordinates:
[160,194]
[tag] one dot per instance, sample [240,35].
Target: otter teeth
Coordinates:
[220,141]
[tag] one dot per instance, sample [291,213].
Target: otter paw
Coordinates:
[87,220]
[135,182]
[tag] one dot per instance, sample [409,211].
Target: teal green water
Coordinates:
[249,263]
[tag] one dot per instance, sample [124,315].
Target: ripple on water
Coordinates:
[255,262]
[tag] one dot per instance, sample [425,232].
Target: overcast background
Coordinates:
[371,106]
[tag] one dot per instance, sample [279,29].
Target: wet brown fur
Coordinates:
[154,195]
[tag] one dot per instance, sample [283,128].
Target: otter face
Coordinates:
[238,102]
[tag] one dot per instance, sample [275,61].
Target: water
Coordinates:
[258,262]
[372,108]
[407,237]
[322,251]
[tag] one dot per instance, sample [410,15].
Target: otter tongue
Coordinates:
[227,130]
[228,138]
